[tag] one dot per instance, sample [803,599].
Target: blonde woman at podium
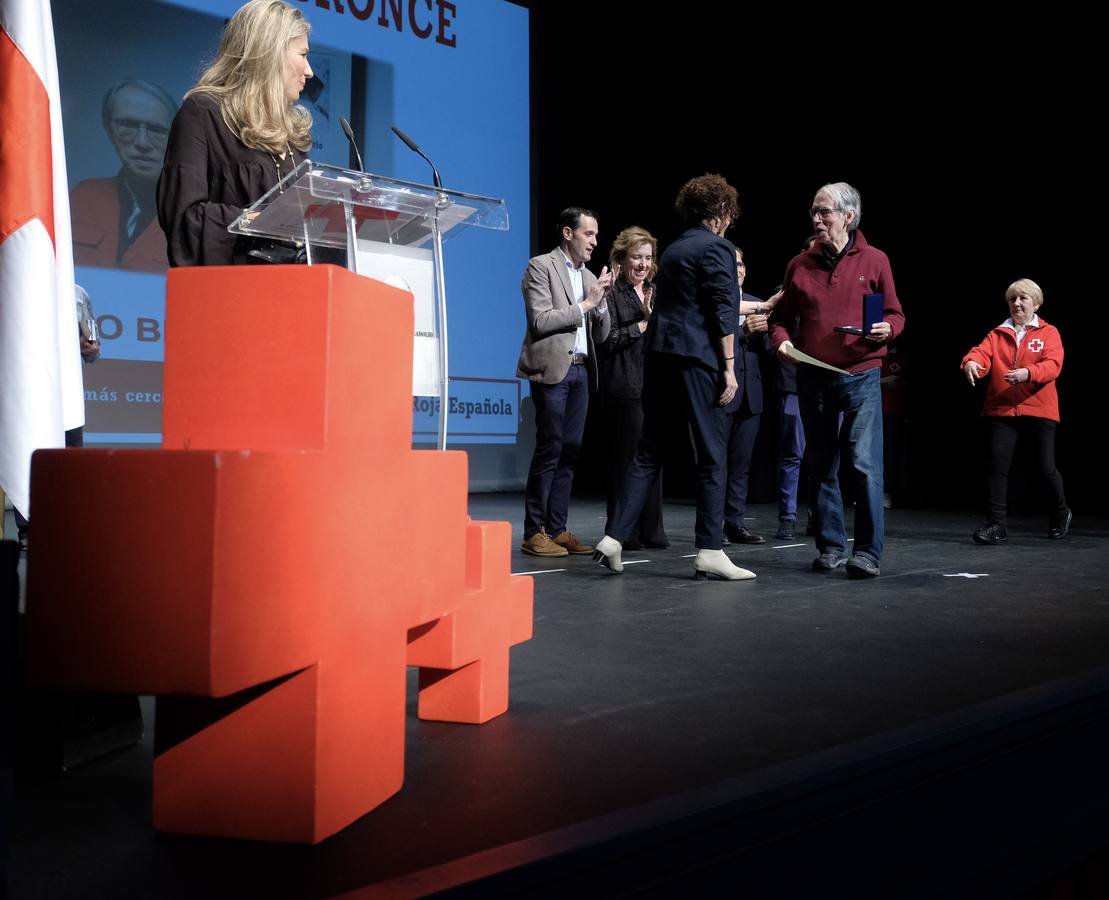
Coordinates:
[236,135]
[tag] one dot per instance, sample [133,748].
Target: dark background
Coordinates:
[971,143]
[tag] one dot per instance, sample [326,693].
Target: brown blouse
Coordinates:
[208,177]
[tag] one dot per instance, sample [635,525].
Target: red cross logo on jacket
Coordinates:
[1036,345]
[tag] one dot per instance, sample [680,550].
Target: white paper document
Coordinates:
[797,356]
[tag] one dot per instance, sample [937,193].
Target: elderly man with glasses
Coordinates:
[115,223]
[825,291]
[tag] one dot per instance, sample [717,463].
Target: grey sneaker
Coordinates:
[862,567]
[828,561]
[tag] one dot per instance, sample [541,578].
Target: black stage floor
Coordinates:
[644,699]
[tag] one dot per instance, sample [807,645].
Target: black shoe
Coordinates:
[994,534]
[633,544]
[785,530]
[656,545]
[828,561]
[862,567]
[742,535]
[1060,529]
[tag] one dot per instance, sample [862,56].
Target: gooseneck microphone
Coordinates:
[349,132]
[412,146]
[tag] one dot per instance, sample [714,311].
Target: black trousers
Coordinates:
[1004,432]
[624,423]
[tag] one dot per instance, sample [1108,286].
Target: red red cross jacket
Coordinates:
[1041,352]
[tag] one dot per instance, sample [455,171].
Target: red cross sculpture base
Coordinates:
[271,572]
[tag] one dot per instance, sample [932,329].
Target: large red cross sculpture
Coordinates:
[271,571]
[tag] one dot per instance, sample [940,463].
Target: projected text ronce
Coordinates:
[426,19]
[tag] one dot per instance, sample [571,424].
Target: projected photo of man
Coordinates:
[115,222]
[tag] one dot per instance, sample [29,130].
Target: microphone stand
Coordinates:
[440,291]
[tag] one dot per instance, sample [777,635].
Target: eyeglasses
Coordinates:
[128,130]
[823,211]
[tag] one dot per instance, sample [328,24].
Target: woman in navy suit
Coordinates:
[690,373]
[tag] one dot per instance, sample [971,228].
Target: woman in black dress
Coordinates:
[633,257]
[236,135]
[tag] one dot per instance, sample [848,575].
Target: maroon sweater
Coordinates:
[821,298]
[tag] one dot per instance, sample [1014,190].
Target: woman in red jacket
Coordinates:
[1022,358]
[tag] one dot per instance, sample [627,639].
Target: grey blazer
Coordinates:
[553,320]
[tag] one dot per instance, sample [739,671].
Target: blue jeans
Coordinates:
[824,397]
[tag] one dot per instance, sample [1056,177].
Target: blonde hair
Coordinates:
[1027,287]
[626,241]
[247,77]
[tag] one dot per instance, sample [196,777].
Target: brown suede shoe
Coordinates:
[570,541]
[540,544]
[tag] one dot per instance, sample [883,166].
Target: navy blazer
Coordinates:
[696,297]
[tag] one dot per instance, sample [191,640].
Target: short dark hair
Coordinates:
[571,218]
[706,197]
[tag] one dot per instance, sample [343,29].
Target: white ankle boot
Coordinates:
[607,553]
[716,562]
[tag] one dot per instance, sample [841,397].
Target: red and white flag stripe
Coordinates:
[40,369]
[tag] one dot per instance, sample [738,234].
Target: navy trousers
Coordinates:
[742,432]
[678,390]
[559,425]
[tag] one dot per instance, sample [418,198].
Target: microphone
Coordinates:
[412,146]
[353,143]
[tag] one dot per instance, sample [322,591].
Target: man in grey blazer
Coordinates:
[567,320]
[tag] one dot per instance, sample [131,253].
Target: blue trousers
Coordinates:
[791,450]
